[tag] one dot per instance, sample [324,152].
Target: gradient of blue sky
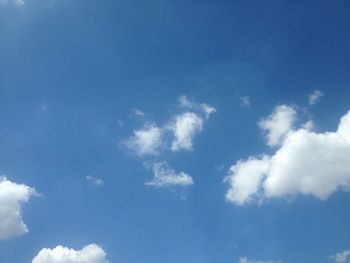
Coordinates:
[71,72]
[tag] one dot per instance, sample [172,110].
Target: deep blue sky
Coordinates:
[70,70]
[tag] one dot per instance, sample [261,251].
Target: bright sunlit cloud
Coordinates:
[307,163]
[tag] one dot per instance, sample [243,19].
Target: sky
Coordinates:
[193,131]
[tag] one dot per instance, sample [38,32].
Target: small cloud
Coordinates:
[185,127]
[137,112]
[203,107]
[315,97]
[44,107]
[245,102]
[120,123]
[278,124]
[164,176]
[94,180]
[308,125]
[220,167]
[147,141]
[247,260]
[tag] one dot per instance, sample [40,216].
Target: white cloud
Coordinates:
[247,260]
[12,196]
[89,254]
[307,163]
[314,97]
[341,257]
[94,180]
[164,176]
[138,112]
[185,127]
[245,102]
[205,108]
[278,124]
[181,129]
[147,141]
[245,179]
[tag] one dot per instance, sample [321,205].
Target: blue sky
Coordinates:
[174,131]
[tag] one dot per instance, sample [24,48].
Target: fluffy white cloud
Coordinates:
[12,196]
[307,163]
[185,127]
[147,141]
[245,179]
[176,134]
[341,257]
[89,254]
[278,124]
[314,97]
[164,176]
[247,260]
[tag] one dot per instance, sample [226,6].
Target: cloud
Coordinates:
[12,196]
[166,177]
[176,134]
[89,254]
[245,179]
[182,127]
[18,3]
[247,260]
[314,97]
[185,127]
[137,112]
[307,163]
[341,257]
[147,141]
[94,180]
[245,102]
[205,108]
[278,124]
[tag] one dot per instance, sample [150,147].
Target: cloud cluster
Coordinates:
[177,134]
[12,196]
[181,129]
[341,257]
[306,163]
[89,254]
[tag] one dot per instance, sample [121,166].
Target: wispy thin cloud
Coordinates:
[164,176]
[314,97]
[245,102]
[94,180]
[137,112]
